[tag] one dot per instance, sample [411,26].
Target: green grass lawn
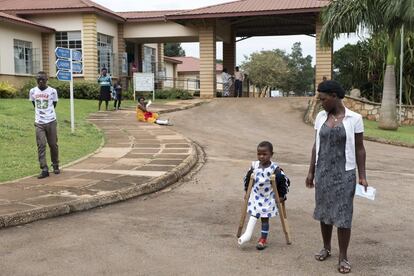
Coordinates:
[18,150]
[404,134]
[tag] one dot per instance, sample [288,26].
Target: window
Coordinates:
[23,57]
[105,53]
[70,40]
[149,63]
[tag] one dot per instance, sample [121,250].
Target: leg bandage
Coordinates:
[161,122]
[249,231]
[265,230]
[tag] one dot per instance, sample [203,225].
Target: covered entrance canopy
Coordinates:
[243,19]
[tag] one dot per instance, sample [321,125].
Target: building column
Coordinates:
[121,51]
[323,58]
[123,76]
[45,53]
[160,64]
[90,47]
[207,38]
[323,68]
[139,56]
[229,55]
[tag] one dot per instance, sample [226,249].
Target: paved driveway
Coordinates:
[190,229]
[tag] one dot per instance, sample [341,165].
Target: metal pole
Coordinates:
[153,89]
[133,84]
[401,71]
[72,108]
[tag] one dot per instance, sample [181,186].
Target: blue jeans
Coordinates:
[238,88]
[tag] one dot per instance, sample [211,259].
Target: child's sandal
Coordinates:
[261,244]
[323,254]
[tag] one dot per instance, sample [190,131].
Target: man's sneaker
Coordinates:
[43,174]
[261,244]
[56,170]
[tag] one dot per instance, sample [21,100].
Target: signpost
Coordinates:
[144,82]
[65,69]
[77,67]
[64,75]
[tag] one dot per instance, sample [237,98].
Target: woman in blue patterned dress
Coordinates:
[262,202]
[337,151]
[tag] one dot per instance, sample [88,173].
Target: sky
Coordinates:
[244,48]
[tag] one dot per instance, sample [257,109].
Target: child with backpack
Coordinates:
[261,203]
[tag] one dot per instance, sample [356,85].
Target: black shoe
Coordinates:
[43,174]
[56,170]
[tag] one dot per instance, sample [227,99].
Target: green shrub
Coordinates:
[24,91]
[81,89]
[7,90]
[173,93]
[128,94]
[86,90]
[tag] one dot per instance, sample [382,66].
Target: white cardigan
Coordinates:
[353,123]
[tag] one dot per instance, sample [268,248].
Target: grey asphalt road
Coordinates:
[189,229]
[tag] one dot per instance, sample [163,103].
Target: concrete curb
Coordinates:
[183,108]
[152,186]
[385,141]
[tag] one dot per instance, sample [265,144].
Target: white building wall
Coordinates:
[8,33]
[61,23]
[109,27]
[160,30]
[169,74]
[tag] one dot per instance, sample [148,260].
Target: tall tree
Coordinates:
[301,71]
[267,70]
[362,66]
[347,16]
[173,50]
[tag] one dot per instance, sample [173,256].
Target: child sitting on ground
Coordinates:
[143,115]
[262,202]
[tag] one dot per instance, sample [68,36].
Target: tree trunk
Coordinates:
[388,111]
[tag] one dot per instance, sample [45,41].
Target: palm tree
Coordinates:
[348,16]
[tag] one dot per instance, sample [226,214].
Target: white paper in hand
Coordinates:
[149,103]
[370,193]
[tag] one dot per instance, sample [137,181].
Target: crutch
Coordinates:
[282,210]
[244,208]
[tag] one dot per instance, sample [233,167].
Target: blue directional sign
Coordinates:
[64,75]
[76,55]
[63,64]
[77,67]
[62,52]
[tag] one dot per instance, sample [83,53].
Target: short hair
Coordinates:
[104,69]
[330,87]
[266,144]
[141,98]
[225,70]
[237,68]
[41,73]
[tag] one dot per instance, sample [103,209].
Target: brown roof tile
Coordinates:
[172,60]
[20,21]
[42,6]
[192,64]
[136,16]
[251,7]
